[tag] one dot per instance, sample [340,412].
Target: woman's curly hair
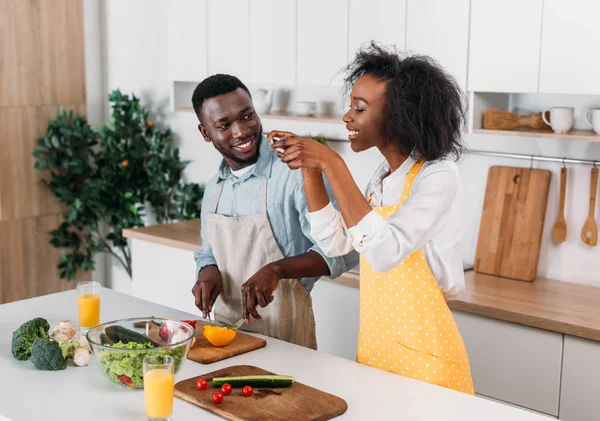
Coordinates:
[424,109]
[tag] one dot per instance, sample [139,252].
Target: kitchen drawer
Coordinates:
[580,380]
[513,363]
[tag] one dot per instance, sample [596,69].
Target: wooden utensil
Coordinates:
[512,222]
[559,232]
[505,120]
[295,403]
[589,233]
[204,353]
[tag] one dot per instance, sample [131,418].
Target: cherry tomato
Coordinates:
[217,397]
[226,389]
[201,384]
[247,391]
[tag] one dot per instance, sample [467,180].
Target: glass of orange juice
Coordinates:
[159,380]
[88,303]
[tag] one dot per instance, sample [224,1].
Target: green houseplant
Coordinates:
[105,178]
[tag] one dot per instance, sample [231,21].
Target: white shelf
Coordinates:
[586,135]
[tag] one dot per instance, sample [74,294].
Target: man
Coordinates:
[256,244]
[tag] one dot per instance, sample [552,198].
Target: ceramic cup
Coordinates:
[592,118]
[561,118]
[325,108]
[305,108]
[280,100]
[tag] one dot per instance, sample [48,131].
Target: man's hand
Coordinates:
[207,288]
[259,290]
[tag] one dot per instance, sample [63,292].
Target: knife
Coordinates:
[238,324]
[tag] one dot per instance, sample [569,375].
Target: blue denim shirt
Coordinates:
[286,210]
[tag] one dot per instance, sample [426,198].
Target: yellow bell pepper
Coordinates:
[218,335]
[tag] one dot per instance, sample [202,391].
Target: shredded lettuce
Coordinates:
[118,363]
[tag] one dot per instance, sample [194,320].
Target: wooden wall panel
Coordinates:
[22,194]
[41,52]
[42,67]
[28,262]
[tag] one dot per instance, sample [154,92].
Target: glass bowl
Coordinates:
[133,339]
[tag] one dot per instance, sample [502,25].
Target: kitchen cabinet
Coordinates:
[166,284]
[337,318]
[440,29]
[513,363]
[229,37]
[570,42]
[186,38]
[504,52]
[273,41]
[580,380]
[380,20]
[322,41]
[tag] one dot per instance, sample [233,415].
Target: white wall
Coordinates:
[93,17]
[136,47]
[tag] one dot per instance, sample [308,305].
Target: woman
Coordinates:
[407,225]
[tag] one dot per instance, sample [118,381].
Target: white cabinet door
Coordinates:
[273,41]
[186,33]
[580,380]
[513,363]
[337,318]
[504,51]
[379,20]
[229,37]
[570,59]
[322,41]
[440,29]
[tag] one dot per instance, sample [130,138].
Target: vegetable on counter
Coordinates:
[26,334]
[217,397]
[46,354]
[256,381]
[126,367]
[247,391]
[82,357]
[124,335]
[201,384]
[219,335]
[64,330]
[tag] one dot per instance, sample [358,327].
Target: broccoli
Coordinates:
[23,337]
[68,348]
[47,355]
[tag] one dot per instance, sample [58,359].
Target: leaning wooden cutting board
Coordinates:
[295,403]
[204,353]
[512,222]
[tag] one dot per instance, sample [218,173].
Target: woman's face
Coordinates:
[364,120]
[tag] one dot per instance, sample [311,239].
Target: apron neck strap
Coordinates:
[410,178]
[216,197]
[219,190]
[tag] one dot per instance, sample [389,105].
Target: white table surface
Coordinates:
[83,393]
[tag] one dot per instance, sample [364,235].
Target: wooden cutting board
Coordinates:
[295,403]
[204,353]
[512,222]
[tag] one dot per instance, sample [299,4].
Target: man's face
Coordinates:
[231,124]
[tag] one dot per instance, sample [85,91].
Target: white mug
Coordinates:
[561,118]
[594,116]
[305,108]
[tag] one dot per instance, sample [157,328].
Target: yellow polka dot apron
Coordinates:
[406,326]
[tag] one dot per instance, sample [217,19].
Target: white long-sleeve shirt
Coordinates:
[429,219]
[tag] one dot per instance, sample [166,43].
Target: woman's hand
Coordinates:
[301,152]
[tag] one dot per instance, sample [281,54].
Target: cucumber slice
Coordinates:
[254,381]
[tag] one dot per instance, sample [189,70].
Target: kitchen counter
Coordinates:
[556,306]
[83,392]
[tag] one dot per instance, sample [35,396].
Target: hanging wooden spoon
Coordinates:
[589,233]
[559,232]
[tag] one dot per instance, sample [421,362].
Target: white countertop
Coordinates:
[82,393]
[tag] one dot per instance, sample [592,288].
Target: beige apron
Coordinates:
[242,245]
